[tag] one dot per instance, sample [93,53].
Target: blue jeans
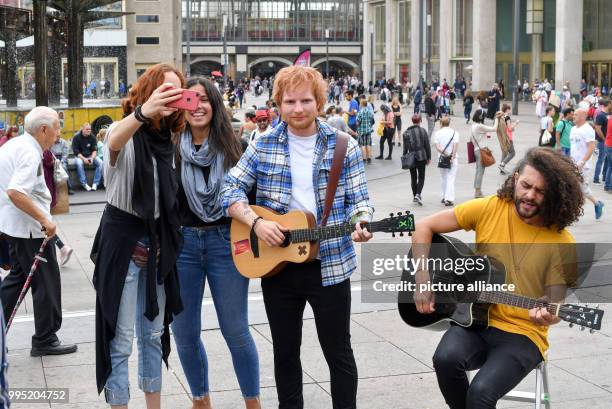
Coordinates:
[566,151]
[81,171]
[206,256]
[609,170]
[601,147]
[131,310]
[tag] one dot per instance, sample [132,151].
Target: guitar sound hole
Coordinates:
[287,240]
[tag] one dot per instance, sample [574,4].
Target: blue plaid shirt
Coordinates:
[266,162]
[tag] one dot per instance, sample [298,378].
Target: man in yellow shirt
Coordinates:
[533,207]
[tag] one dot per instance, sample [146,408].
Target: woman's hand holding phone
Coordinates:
[157,103]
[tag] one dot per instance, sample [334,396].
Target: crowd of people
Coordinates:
[175,179]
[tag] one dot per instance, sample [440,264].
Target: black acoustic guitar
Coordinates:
[471,308]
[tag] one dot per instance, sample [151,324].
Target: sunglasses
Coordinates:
[262,120]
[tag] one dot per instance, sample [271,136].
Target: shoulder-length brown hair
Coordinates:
[148,82]
[563,197]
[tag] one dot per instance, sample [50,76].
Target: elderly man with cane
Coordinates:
[25,220]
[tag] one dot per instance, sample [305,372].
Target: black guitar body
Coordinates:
[459,307]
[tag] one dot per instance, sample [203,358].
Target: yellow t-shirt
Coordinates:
[538,258]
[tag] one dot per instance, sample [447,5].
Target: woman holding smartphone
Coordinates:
[139,239]
[206,150]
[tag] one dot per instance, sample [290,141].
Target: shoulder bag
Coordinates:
[444,160]
[486,156]
[334,174]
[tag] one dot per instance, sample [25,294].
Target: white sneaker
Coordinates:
[86,187]
[94,186]
[65,254]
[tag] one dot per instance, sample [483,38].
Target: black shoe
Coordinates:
[388,158]
[448,203]
[378,157]
[369,160]
[70,192]
[56,348]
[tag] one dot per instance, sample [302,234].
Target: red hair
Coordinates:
[296,76]
[148,82]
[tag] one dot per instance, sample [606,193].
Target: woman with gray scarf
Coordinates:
[206,150]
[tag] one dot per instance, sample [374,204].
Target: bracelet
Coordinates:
[258,218]
[139,116]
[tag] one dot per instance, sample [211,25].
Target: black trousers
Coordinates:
[387,136]
[504,360]
[285,296]
[46,287]
[417,178]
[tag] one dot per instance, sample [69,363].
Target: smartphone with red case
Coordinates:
[189,101]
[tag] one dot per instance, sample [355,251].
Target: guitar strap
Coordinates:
[334,174]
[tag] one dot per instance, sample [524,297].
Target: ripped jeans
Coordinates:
[148,333]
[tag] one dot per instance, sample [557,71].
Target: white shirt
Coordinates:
[301,154]
[21,170]
[443,136]
[544,121]
[580,137]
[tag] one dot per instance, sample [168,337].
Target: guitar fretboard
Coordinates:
[328,232]
[500,297]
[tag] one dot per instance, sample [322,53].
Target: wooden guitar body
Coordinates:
[263,261]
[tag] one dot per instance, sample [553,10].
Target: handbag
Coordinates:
[444,161]
[59,173]
[409,160]
[381,129]
[470,152]
[486,156]
[546,137]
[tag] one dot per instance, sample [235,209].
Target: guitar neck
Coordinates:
[328,232]
[500,297]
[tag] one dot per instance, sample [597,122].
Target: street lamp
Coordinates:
[515,55]
[188,30]
[327,53]
[223,28]
[371,29]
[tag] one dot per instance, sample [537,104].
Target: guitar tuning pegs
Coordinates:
[401,234]
[391,214]
[393,234]
[571,325]
[591,331]
[596,306]
[581,328]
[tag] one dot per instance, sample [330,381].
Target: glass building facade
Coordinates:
[266,20]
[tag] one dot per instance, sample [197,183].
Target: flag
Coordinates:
[303,60]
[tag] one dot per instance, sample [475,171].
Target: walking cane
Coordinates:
[37,259]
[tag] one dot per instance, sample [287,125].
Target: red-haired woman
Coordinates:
[11,132]
[139,239]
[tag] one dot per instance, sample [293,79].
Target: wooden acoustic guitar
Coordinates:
[471,308]
[255,259]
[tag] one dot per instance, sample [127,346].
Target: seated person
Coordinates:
[85,149]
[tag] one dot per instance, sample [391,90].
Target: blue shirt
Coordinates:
[267,163]
[353,105]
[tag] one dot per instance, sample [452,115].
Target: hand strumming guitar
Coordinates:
[271,233]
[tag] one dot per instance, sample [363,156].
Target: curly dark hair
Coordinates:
[563,197]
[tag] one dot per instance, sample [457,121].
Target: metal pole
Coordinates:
[224,17]
[327,53]
[420,54]
[40,51]
[188,29]
[372,73]
[515,55]
[428,41]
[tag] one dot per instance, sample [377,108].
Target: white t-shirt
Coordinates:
[580,137]
[301,154]
[443,136]
[21,170]
[544,121]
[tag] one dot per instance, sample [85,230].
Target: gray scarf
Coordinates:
[203,198]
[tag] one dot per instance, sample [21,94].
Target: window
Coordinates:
[404,27]
[147,18]
[463,28]
[379,32]
[147,40]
